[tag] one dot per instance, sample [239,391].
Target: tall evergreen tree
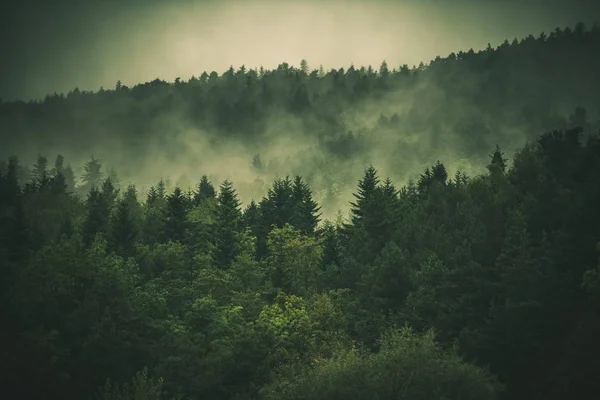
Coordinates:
[59,165]
[227,225]
[251,217]
[206,190]
[498,162]
[96,216]
[69,178]
[306,210]
[92,175]
[365,196]
[123,229]
[109,193]
[176,216]
[40,174]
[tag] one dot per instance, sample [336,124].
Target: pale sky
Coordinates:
[48,46]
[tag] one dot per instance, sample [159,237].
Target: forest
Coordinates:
[415,233]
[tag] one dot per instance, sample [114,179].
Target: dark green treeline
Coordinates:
[455,287]
[399,117]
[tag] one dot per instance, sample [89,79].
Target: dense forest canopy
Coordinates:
[326,126]
[182,241]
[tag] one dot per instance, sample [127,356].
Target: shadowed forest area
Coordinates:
[414,233]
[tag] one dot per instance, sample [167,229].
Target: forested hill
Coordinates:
[452,286]
[308,122]
[462,288]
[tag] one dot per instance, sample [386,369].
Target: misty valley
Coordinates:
[402,233]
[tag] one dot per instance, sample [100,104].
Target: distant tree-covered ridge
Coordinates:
[323,125]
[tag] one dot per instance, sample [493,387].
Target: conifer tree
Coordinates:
[40,175]
[96,216]
[305,217]
[251,217]
[161,189]
[123,229]
[176,216]
[59,165]
[109,193]
[154,217]
[365,196]
[206,190]
[69,178]
[92,176]
[498,162]
[58,185]
[439,173]
[227,225]
[277,207]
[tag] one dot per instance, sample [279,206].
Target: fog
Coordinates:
[66,44]
[97,45]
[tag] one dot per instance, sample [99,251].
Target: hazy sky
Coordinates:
[48,46]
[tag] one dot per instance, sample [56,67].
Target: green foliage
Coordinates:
[142,388]
[293,260]
[227,225]
[408,366]
[275,301]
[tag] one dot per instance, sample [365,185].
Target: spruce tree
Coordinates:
[69,178]
[206,190]
[110,193]
[439,173]
[277,208]
[176,216]
[498,162]
[96,216]
[227,225]
[251,217]
[123,229]
[92,176]
[40,175]
[59,165]
[306,210]
[365,196]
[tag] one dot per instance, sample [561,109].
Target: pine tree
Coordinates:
[277,207]
[176,216]
[251,218]
[439,173]
[114,178]
[109,193]
[151,196]
[123,229]
[69,178]
[498,162]
[58,165]
[40,175]
[227,225]
[96,216]
[130,196]
[92,176]
[331,244]
[206,190]
[58,185]
[161,189]
[365,196]
[305,217]
[154,217]
[304,66]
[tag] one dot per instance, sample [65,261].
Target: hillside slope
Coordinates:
[325,126]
